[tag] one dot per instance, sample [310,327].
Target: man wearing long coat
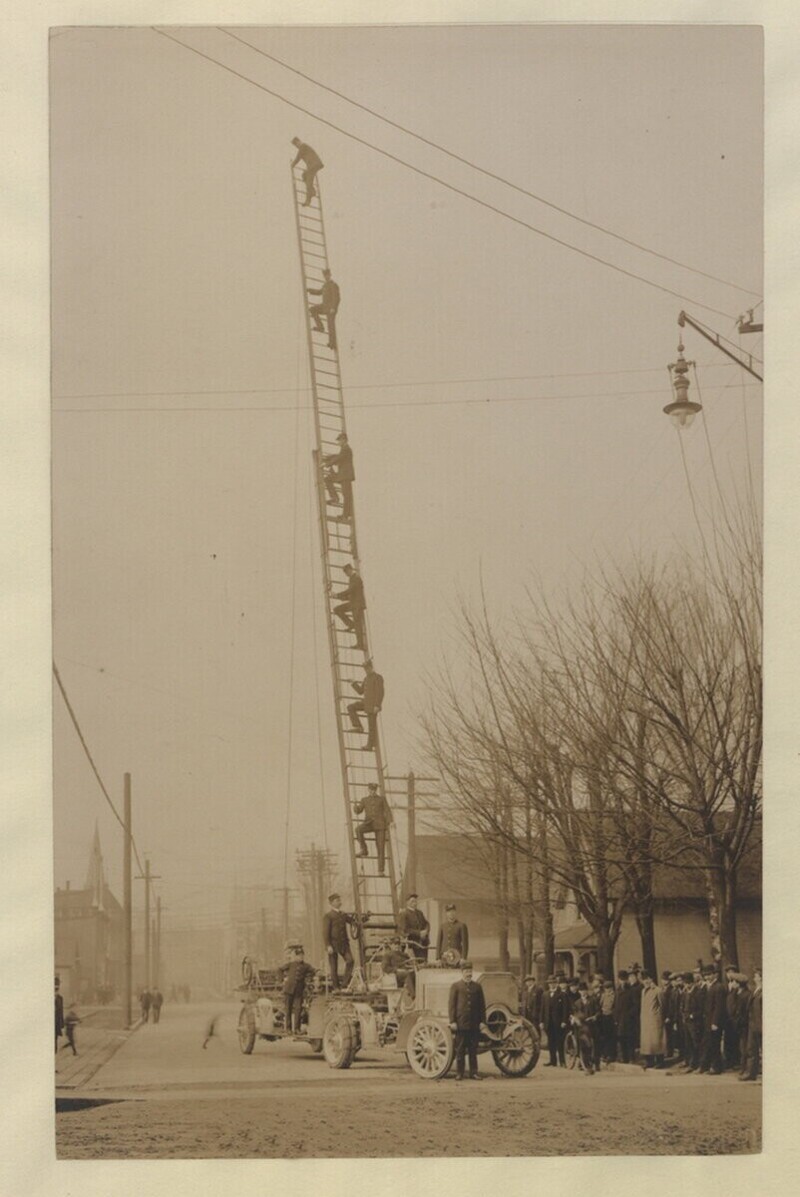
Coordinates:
[652,1040]
[467,1015]
[624,1016]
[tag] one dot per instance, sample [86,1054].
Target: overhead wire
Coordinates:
[482,170]
[468,401]
[376,386]
[91,760]
[435,178]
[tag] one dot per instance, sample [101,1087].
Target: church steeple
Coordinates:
[95,875]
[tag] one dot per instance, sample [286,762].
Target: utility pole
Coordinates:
[127,908]
[263,950]
[147,878]
[157,960]
[411,857]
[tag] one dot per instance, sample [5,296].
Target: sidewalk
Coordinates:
[96,1044]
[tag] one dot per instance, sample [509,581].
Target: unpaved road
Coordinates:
[165,1098]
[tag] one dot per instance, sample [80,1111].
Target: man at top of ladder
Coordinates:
[313,165]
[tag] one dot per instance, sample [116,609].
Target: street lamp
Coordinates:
[682,411]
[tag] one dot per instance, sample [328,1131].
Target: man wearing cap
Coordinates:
[467,1016]
[693,1018]
[377,820]
[352,607]
[298,973]
[336,940]
[559,1018]
[583,1018]
[370,703]
[395,961]
[414,927]
[328,306]
[730,1034]
[714,1021]
[313,165]
[548,1020]
[755,1028]
[607,1030]
[624,1016]
[453,935]
[666,1000]
[532,1004]
[340,472]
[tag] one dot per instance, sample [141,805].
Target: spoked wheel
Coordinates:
[570,1049]
[246,1030]
[339,1042]
[520,1051]
[430,1048]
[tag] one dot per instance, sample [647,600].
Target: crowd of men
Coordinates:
[691,1021]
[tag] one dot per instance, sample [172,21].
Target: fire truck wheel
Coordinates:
[430,1048]
[339,1042]
[246,1030]
[520,1050]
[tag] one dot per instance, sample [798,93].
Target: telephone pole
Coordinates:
[157,953]
[127,908]
[147,878]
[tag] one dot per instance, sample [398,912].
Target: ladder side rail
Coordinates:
[321,499]
[309,338]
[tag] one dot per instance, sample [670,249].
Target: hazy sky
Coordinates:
[503,392]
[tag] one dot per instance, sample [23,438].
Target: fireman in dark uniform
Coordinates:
[414,927]
[341,472]
[294,986]
[377,819]
[467,1015]
[453,935]
[336,940]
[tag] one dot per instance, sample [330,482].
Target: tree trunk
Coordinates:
[722,898]
[647,935]
[605,950]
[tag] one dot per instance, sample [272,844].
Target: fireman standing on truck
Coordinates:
[294,987]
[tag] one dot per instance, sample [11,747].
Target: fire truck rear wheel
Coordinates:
[246,1031]
[339,1042]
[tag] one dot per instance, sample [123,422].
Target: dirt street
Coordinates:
[163,1096]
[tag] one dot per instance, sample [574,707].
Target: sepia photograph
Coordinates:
[407,547]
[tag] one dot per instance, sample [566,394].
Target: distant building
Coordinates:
[89,936]
[454,868]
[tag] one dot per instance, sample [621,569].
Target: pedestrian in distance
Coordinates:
[156,1002]
[59,1010]
[296,978]
[353,605]
[369,704]
[145,1001]
[453,935]
[532,1001]
[340,472]
[467,1017]
[335,937]
[71,1021]
[560,1012]
[414,928]
[608,1034]
[312,163]
[377,821]
[328,306]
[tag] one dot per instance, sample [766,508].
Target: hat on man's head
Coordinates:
[688,978]
[450,906]
[551,978]
[667,975]
[333,897]
[608,985]
[582,985]
[709,970]
[410,896]
[529,977]
[373,785]
[574,981]
[623,974]
[465,964]
[342,436]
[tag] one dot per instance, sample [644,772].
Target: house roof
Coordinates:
[456,866]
